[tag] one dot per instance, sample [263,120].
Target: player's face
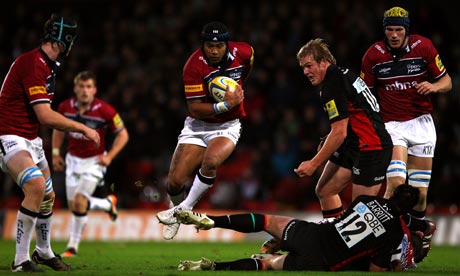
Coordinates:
[313,70]
[85,91]
[214,51]
[396,36]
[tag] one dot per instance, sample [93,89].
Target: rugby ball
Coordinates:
[217,87]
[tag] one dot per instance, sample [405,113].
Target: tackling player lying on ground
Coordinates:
[368,236]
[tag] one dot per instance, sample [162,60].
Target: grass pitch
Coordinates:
[162,258]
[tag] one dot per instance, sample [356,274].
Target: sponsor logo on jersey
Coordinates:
[413,68]
[400,85]
[415,44]
[34,90]
[371,218]
[331,109]
[384,70]
[77,135]
[117,121]
[380,49]
[379,178]
[193,88]
[439,63]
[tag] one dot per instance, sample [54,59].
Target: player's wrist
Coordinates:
[56,152]
[221,107]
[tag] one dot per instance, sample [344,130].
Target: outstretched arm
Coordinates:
[53,119]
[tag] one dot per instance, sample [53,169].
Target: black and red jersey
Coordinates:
[370,225]
[29,81]
[100,116]
[197,73]
[395,78]
[345,95]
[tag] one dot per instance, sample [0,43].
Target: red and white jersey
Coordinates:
[29,81]
[100,116]
[197,74]
[395,79]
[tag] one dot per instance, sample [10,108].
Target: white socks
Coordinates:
[77,225]
[96,203]
[25,225]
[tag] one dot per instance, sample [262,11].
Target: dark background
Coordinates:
[138,48]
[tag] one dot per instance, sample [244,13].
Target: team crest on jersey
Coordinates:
[439,63]
[34,90]
[193,88]
[331,109]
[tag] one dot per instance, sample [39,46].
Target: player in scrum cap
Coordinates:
[405,70]
[25,104]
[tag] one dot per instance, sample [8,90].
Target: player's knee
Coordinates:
[419,178]
[322,193]
[396,173]
[209,165]
[318,192]
[176,182]
[80,202]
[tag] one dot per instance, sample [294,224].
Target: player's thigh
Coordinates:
[419,163]
[333,179]
[276,224]
[87,185]
[399,153]
[219,149]
[20,161]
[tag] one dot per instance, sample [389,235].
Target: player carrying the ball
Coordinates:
[212,129]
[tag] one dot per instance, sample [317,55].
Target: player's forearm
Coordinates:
[57,141]
[332,143]
[444,84]
[119,143]
[53,119]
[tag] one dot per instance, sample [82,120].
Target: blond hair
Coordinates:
[318,49]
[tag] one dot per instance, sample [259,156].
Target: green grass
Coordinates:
[162,258]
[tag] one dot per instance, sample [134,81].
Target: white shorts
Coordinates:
[199,133]
[417,135]
[83,175]
[11,144]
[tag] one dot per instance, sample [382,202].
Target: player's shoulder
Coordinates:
[420,41]
[30,60]
[99,101]
[376,48]
[240,48]
[196,59]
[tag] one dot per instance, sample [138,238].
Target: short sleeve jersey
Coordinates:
[29,81]
[345,95]
[395,80]
[197,73]
[370,224]
[101,116]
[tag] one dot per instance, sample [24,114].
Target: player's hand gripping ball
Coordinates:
[217,87]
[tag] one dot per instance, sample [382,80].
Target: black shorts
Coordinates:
[301,239]
[369,167]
